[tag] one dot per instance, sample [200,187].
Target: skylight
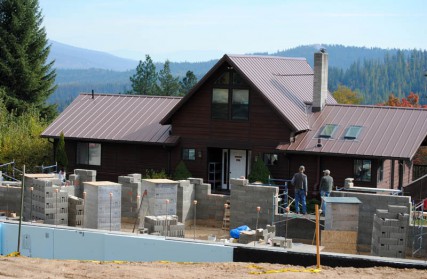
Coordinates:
[328,130]
[353,132]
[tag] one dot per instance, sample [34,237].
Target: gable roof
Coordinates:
[107,117]
[286,83]
[388,132]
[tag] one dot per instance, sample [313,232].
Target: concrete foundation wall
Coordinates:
[370,203]
[210,207]
[42,241]
[245,198]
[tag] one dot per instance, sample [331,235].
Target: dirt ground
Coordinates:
[22,267]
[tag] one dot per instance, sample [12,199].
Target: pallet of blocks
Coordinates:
[164,225]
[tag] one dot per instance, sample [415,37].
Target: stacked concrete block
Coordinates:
[185,207]
[265,235]
[370,203]
[45,200]
[10,197]
[131,194]
[166,225]
[390,231]
[102,205]
[162,196]
[75,211]
[78,179]
[244,201]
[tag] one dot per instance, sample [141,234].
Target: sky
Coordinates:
[200,30]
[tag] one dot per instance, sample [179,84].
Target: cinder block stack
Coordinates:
[78,179]
[159,191]
[131,194]
[246,237]
[389,232]
[102,210]
[75,211]
[47,201]
[164,225]
[9,198]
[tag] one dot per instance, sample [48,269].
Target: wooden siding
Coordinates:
[261,133]
[119,159]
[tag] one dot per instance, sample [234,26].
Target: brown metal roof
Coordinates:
[286,83]
[390,132]
[129,118]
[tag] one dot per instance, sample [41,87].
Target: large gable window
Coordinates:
[230,100]
[89,153]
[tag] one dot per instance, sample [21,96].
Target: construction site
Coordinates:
[86,219]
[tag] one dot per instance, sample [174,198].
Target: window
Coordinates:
[240,104]
[189,154]
[271,159]
[328,131]
[362,170]
[89,153]
[353,132]
[220,103]
[229,99]
[380,170]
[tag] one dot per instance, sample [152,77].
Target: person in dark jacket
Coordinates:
[299,181]
[326,185]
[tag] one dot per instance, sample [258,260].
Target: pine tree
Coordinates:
[145,78]
[169,85]
[181,172]
[187,83]
[24,72]
[259,172]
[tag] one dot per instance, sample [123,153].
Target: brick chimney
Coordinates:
[320,80]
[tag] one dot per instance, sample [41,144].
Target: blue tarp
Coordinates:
[235,233]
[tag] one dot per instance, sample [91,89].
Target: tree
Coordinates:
[411,101]
[25,74]
[259,172]
[344,95]
[181,172]
[61,154]
[145,78]
[169,85]
[187,83]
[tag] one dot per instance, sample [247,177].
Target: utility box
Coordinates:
[162,196]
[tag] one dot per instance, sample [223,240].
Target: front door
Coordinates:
[237,163]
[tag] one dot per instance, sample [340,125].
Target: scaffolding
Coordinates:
[419,220]
[9,172]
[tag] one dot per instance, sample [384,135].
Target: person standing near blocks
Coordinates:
[326,185]
[299,181]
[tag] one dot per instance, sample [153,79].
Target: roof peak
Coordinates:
[264,56]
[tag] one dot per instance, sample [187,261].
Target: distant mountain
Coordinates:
[81,70]
[70,57]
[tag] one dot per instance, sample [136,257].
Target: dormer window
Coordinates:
[328,131]
[353,132]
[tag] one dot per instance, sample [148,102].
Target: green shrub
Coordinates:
[152,174]
[181,172]
[259,172]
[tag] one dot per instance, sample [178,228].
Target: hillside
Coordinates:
[81,70]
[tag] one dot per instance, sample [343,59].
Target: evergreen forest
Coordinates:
[372,72]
